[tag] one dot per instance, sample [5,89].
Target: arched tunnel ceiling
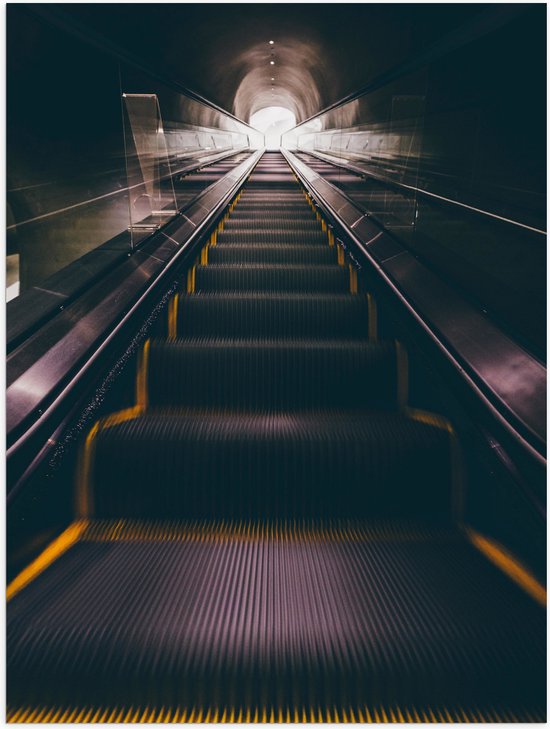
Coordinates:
[322,51]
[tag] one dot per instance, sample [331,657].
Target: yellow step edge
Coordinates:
[352,279]
[510,565]
[173,317]
[191,280]
[53,551]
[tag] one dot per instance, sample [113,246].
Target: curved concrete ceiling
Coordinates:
[222,51]
[296,73]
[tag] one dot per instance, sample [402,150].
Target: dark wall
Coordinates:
[323,51]
[64,146]
[469,125]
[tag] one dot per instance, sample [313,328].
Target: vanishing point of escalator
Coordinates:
[269,533]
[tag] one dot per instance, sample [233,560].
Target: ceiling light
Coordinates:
[271,43]
[272,63]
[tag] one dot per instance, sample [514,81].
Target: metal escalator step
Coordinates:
[251,237]
[281,224]
[273,217]
[273,375]
[241,315]
[263,253]
[271,178]
[276,209]
[271,193]
[204,464]
[320,279]
[330,621]
[270,204]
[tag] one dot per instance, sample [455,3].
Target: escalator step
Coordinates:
[261,223]
[239,253]
[314,618]
[293,465]
[273,218]
[271,178]
[242,315]
[273,375]
[319,279]
[273,211]
[251,237]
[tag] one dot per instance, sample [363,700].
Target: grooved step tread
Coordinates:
[232,277]
[259,464]
[276,616]
[244,314]
[278,374]
[264,253]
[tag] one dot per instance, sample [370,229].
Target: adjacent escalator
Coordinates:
[270,533]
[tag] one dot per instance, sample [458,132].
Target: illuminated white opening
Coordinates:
[273,121]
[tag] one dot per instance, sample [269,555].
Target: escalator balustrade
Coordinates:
[270,533]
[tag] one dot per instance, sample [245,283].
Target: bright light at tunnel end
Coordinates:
[273,121]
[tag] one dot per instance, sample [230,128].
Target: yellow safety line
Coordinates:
[83,496]
[508,564]
[424,416]
[402,360]
[173,317]
[373,318]
[204,255]
[142,394]
[191,281]
[341,260]
[84,502]
[330,238]
[352,279]
[54,550]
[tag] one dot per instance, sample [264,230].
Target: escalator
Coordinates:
[188,185]
[270,533]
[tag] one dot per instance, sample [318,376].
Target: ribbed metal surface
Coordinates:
[275,617]
[293,237]
[291,254]
[273,213]
[242,315]
[272,277]
[273,375]
[266,464]
[259,222]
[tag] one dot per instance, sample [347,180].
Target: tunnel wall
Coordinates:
[468,127]
[68,153]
